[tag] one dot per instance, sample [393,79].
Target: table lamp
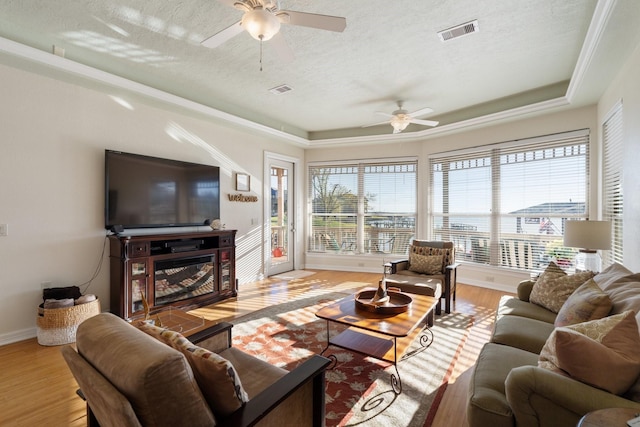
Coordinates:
[588,236]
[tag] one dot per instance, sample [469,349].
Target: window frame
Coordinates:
[519,252]
[394,233]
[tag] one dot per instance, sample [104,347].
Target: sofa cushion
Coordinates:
[602,353]
[423,248]
[611,274]
[155,378]
[425,264]
[625,295]
[416,283]
[487,404]
[588,302]
[521,332]
[216,376]
[554,287]
[513,306]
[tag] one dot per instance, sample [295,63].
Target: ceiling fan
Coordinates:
[401,118]
[262,19]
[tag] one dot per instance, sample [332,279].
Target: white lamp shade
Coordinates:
[261,24]
[587,234]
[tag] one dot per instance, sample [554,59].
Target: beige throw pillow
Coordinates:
[602,353]
[215,375]
[554,287]
[425,264]
[588,302]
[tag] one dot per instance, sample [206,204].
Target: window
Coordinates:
[364,207]
[506,204]
[612,136]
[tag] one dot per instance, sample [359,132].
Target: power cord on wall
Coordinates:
[98,268]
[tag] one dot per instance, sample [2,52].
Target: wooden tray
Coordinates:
[398,302]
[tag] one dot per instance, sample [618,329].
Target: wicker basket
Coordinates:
[58,326]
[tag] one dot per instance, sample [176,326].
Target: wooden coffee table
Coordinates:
[382,336]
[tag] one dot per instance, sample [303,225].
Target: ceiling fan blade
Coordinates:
[222,36]
[386,122]
[421,112]
[425,122]
[282,48]
[382,113]
[312,20]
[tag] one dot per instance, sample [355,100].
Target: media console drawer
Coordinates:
[225,240]
[138,249]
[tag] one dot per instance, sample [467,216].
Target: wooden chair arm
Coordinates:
[259,406]
[453,266]
[215,338]
[398,265]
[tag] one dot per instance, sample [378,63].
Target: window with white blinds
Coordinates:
[506,204]
[364,207]
[612,195]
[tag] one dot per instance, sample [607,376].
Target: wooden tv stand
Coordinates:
[134,259]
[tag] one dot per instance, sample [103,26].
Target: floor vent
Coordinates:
[459,31]
[278,90]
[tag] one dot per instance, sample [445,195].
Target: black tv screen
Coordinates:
[143,191]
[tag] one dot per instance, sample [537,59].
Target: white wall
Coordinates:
[626,87]
[53,137]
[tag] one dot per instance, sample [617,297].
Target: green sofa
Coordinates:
[508,388]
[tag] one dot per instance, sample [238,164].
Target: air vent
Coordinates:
[279,90]
[459,31]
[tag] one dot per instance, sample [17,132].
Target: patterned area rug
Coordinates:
[359,390]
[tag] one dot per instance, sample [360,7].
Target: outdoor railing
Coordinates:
[514,250]
[381,240]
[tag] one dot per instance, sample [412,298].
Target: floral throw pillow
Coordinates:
[602,353]
[425,264]
[554,287]
[588,302]
[215,375]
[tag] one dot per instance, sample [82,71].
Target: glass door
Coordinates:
[281,226]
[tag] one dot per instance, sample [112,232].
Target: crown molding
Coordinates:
[62,64]
[599,21]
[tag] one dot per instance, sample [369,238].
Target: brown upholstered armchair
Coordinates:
[130,378]
[429,262]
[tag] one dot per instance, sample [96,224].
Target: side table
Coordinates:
[610,417]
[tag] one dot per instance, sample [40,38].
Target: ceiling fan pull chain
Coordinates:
[261,53]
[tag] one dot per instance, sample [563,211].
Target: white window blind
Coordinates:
[506,204]
[613,200]
[365,207]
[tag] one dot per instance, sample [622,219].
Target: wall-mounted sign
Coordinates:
[242,198]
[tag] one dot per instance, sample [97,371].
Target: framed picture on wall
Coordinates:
[243,182]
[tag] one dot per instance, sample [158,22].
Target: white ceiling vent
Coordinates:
[459,31]
[279,90]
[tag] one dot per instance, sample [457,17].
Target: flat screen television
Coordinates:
[143,192]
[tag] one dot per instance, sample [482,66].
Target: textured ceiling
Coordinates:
[525,52]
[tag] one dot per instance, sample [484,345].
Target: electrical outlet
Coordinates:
[4,229]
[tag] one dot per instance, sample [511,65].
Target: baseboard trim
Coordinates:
[15,336]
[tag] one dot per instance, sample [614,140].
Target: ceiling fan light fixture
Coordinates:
[400,122]
[261,24]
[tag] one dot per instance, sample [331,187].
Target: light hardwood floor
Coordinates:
[36,387]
